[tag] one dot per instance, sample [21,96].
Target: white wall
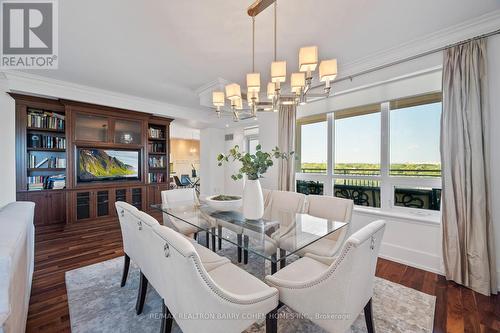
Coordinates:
[211,175]
[231,186]
[268,138]
[180,131]
[7,146]
[494,89]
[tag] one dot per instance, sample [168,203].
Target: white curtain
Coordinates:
[286,143]
[468,248]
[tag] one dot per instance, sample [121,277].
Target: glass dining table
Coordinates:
[273,238]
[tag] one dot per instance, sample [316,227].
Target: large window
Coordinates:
[383,155]
[357,141]
[311,147]
[414,136]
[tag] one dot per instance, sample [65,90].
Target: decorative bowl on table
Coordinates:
[224,202]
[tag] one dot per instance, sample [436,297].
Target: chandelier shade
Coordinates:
[308,58]
[218,98]
[233,91]
[278,71]
[253,82]
[328,70]
[297,82]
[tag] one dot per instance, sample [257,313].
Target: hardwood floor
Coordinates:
[62,248]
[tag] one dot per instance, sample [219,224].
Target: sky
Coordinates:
[414,135]
[128,157]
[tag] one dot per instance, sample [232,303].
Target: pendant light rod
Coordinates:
[253,44]
[275,28]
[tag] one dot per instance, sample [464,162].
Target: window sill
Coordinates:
[434,219]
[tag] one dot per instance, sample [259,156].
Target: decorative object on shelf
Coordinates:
[254,166]
[224,203]
[300,82]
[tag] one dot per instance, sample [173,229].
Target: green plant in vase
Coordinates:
[254,166]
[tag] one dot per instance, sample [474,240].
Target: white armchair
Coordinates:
[334,209]
[334,293]
[230,297]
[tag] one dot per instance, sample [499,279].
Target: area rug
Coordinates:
[98,304]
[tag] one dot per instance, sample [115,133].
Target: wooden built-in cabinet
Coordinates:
[100,203]
[86,126]
[50,206]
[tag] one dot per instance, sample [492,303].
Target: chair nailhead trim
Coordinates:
[216,290]
[166,249]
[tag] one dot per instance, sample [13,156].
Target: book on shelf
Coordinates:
[45,119]
[156,177]
[156,162]
[54,182]
[156,133]
[52,162]
[157,147]
[46,141]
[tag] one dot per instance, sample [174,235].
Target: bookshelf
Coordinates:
[157,153]
[45,149]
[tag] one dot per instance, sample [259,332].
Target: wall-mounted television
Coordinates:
[107,165]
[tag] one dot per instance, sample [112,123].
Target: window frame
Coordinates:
[388,183]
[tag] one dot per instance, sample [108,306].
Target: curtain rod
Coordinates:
[420,55]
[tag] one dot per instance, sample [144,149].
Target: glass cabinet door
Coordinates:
[128,131]
[91,128]
[82,205]
[102,203]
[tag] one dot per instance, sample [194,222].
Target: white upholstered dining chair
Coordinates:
[180,197]
[229,297]
[339,287]
[334,209]
[137,228]
[283,201]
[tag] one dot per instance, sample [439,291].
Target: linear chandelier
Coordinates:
[300,82]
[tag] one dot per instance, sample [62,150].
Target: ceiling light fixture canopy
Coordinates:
[300,82]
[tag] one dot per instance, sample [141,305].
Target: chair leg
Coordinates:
[166,319]
[272,321]
[370,324]
[274,264]
[239,240]
[282,258]
[245,250]
[219,229]
[213,240]
[126,265]
[207,239]
[141,296]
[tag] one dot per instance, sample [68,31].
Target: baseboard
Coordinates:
[411,257]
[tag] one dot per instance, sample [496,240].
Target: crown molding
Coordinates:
[218,83]
[471,28]
[36,85]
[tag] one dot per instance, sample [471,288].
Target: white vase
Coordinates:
[253,200]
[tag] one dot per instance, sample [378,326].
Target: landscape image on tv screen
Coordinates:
[103,164]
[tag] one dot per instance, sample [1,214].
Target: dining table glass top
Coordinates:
[285,232]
